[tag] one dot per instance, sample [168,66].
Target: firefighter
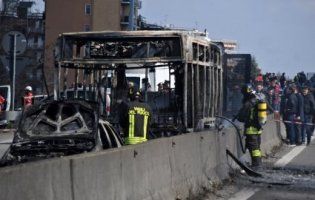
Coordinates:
[135,120]
[28,99]
[131,90]
[253,114]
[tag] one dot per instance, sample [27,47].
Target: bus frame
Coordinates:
[194,61]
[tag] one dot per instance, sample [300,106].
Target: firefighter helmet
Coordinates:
[248,90]
[28,88]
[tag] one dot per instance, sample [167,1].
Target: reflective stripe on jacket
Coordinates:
[253,131]
[138,123]
[256,153]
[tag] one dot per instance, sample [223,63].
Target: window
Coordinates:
[35,39]
[30,75]
[39,74]
[87,27]
[87,9]
[37,25]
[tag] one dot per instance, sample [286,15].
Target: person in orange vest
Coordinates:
[2,103]
[28,99]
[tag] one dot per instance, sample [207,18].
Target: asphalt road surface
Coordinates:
[289,176]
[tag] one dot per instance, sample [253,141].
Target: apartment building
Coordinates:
[85,15]
[17,18]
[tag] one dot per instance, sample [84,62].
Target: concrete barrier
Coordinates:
[47,180]
[165,168]
[161,169]
[272,134]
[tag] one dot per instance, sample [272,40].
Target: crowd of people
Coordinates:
[294,100]
[291,99]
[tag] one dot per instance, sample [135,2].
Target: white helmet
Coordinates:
[28,88]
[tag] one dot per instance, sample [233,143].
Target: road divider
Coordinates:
[167,168]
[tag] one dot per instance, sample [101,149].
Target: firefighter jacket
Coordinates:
[136,117]
[250,113]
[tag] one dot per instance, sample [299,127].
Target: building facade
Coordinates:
[85,15]
[16,18]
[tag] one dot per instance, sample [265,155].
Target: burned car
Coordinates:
[60,128]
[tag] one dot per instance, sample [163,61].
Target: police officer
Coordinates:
[253,113]
[135,120]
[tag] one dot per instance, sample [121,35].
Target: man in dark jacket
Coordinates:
[309,111]
[299,119]
[293,115]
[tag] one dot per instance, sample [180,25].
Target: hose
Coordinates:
[237,131]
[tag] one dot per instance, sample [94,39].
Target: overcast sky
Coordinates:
[279,33]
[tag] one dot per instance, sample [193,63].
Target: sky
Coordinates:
[279,33]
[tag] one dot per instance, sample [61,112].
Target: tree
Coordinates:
[255,70]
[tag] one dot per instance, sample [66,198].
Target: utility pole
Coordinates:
[13,61]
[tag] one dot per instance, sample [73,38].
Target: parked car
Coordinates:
[60,128]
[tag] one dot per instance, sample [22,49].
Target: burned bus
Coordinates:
[103,64]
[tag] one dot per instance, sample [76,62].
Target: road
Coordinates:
[288,175]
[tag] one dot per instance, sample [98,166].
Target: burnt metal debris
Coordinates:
[60,128]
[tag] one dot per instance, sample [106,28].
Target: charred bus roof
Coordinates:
[136,47]
[132,34]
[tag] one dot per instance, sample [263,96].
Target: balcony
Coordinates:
[138,3]
[125,2]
